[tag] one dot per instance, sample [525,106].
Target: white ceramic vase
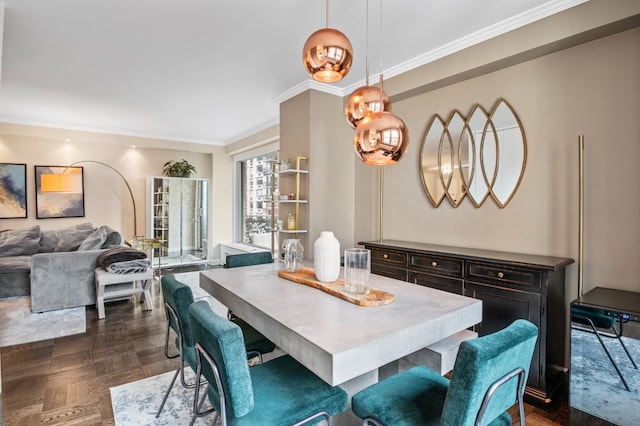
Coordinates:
[326,257]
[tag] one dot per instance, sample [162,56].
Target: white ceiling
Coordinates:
[214,71]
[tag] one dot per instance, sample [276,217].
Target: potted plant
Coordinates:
[178,168]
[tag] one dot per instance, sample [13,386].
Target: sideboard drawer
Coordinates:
[452,285]
[389,271]
[436,265]
[504,275]
[390,258]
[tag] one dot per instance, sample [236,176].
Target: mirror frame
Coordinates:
[479,166]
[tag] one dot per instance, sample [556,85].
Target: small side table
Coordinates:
[141,281]
[150,244]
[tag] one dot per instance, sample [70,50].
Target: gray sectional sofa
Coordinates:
[55,267]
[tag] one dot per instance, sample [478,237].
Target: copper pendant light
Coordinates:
[365,99]
[327,54]
[381,138]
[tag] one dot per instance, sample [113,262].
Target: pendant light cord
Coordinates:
[381,90]
[366,54]
[326,16]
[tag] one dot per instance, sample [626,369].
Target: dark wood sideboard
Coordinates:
[510,285]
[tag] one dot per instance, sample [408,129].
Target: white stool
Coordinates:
[141,282]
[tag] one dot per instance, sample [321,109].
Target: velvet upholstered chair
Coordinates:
[279,392]
[177,299]
[488,377]
[245,259]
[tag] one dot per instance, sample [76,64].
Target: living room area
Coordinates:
[571,81]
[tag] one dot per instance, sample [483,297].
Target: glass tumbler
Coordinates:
[357,267]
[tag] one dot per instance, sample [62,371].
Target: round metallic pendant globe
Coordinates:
[381,138]
[327,55]
[365,100]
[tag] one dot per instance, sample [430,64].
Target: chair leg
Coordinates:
[166,395]
[615,366]
[619,337]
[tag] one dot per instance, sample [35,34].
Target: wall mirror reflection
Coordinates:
[479,156]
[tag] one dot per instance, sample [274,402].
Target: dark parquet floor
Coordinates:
[66,381]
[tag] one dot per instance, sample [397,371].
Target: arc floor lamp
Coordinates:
[64,182]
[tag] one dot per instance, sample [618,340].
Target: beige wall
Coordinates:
[591,89]
[107,200]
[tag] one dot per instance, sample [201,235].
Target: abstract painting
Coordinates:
[59,192]
[13,191]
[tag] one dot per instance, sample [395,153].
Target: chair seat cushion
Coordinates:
[253,339]
[285,392]
[413,397]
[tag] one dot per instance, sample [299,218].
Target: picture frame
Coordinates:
[13,191]
[59,192]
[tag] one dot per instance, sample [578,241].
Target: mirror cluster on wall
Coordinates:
[478,156]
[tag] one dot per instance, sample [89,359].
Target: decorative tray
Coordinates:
[307,276]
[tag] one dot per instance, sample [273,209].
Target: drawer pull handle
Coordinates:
[500,275]
[386,256]
[434,263]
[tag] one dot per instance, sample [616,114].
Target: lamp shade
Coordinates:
[60,182]
[381,138]
[365,100]
[327,55]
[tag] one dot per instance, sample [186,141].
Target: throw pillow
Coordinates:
[95,240]
[49,239]
[114,238]
[71,239]
[20,242]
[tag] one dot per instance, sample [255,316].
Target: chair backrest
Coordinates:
[223,342]
[482,361]
[179,296]
[246,259]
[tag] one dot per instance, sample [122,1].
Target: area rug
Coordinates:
[136,403]
[19,325]
[596,388]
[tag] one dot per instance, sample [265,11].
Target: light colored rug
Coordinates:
[136,403]
[19,325]
[596,388]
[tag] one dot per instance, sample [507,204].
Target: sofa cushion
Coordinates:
[49,239]
[20,242]
[15,264]
[95,240]
[71,239]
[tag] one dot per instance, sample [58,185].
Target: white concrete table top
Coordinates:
[337,340]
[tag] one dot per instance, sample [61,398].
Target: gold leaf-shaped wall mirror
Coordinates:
[476,157]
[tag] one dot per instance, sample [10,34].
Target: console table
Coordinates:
[510,285]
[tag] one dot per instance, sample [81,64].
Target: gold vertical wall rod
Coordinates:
[380,231]
[580,213]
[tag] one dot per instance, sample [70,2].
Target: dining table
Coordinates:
[345,344]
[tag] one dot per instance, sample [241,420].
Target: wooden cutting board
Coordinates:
[307,276]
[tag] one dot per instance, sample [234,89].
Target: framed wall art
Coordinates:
[13,191]
[59,192]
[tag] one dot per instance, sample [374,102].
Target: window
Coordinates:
[254,187]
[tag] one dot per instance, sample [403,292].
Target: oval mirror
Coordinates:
[429,161]
[476,179]
[511,151]
[453,156]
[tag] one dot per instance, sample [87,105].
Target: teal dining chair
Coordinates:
[245,259]
[594,319]
[489,376]
[279,392]
[177,299]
